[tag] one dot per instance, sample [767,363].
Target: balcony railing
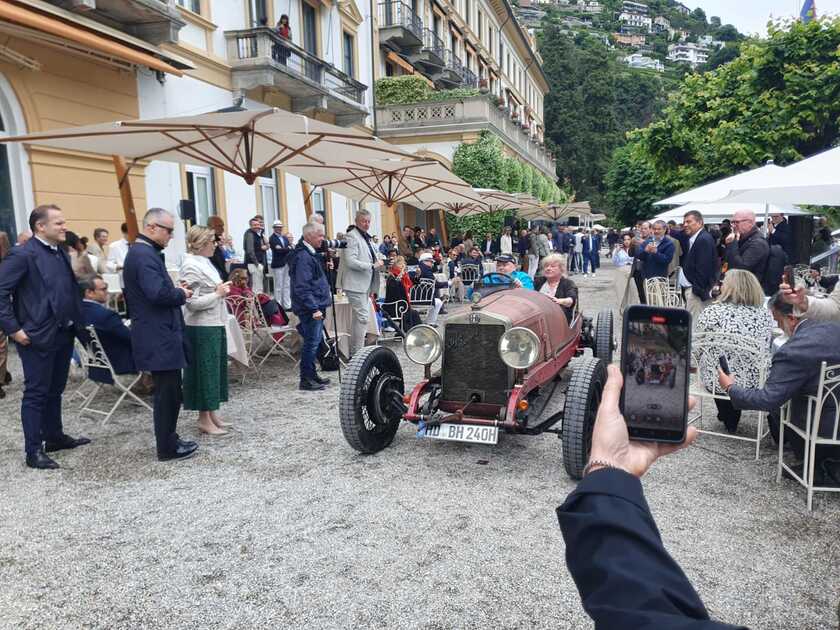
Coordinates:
[463,116]
[433,44]
[261,58]
[395,13]
[470,78]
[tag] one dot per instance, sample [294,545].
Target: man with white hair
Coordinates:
[360,277]
[746,248]
[310,300]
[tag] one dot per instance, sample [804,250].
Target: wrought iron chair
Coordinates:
[94,357]
[395,311]
[422,296]
[707,349]
[659,292]
[470,274]
[828,395]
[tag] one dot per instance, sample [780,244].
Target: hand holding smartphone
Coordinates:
[787,276]
[655,352]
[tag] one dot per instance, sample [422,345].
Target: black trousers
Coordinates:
[639,279]
[726,410]
[167,406]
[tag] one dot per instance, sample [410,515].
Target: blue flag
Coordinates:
[809,11]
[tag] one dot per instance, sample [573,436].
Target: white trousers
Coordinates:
[434,311]
[282,287]
[533,263]
[360,311]
[694,305]
[256,272]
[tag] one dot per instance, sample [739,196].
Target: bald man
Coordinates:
[746,248]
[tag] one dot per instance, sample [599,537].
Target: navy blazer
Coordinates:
[596,245]
[26,301]
[280,250]
[625,577]
[310,289]
[157,324]
[795,374]
[656,265]
[700,265]
[115,337]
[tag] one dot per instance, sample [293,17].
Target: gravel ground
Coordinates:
[281,524]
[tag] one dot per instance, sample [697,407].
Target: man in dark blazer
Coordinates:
[700,264]
[280,250]
[625,576]
[780,234]
[110,328]
[795,375]
[656,253]
[746,248]
[40,310]
[591,251]
[157,328]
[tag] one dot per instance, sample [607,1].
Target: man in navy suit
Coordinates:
[591,251]
[110,328]
[157,328]
[656,253]
[40,310]
[280,250]
[625,577]
[700,264]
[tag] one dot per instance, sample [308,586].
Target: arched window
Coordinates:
[16,198]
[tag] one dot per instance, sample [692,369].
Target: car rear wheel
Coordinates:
[370,404]
[604,336]
[582,399]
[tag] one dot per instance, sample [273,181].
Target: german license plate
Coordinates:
[463,433]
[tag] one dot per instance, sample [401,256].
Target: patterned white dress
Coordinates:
[733,322]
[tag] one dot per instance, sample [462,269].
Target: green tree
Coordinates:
[481,163]
[780,100]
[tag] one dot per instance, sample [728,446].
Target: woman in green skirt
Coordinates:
[205,316]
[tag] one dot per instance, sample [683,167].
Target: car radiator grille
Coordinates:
[471,363]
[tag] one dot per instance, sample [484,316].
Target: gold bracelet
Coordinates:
[598,462]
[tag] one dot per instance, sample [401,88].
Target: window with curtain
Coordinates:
[200,192]
[192,5]
[258,13]
[267,190]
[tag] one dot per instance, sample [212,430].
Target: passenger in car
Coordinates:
[556,285]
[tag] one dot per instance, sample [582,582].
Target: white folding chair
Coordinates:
[707,349]
[422,296]
[828,395]
[265,341]
[94,356]
[112,280]
[395,311]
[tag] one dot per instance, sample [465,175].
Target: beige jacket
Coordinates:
[825,309]
[205,307]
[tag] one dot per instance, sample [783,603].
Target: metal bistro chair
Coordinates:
[828,394]
[240,306]
[265,339]
[470,274]
[422,296]
[706,349]
[95,357]
[115,300]
[395,311]
[659,293]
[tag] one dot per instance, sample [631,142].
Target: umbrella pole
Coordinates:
[307,198]
[126,197]
[766,218]
[393,208]
[443,232]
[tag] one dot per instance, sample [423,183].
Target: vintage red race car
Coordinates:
[503,360]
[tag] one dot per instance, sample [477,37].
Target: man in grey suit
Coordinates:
[795,375]
[361,277]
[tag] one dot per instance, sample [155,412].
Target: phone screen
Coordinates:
[655,353]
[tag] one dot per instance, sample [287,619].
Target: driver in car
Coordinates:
[506,264]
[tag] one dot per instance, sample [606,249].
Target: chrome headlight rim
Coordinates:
[424,329]
[532,337]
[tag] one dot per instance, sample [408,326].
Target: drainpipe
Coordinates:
[373,71]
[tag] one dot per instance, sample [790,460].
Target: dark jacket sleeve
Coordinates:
[113,324]
[12,270]
[705,266]
[303,280]
[664,253]
[567,289]
[157,287]
[787,376]
[753,258]
[625,577]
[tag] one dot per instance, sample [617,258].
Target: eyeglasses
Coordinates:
[169,230]
[733,221]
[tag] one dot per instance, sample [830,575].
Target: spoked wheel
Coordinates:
[582,400]
[604,338]
[370,405]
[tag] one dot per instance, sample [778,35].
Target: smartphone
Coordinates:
[655,352]
[787,276]
[724,365]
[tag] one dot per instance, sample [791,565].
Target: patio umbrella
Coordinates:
[717,212]
[246,143]
[719,189]
[814,181]
[555,212]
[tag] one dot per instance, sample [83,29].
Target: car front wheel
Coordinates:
[582,399]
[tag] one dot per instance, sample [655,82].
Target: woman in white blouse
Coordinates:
[738,313]
[205,316]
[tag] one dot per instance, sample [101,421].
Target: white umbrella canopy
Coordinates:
[487,200]
[247,143]
[715,191]
[717,212]
[418,183]
[814,181]
[558,211]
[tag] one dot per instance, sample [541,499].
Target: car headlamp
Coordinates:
[519,348]
[423,344]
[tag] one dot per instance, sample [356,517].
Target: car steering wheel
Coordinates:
[505,277]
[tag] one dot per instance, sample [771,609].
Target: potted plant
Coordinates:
[514,115]
[483,86]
